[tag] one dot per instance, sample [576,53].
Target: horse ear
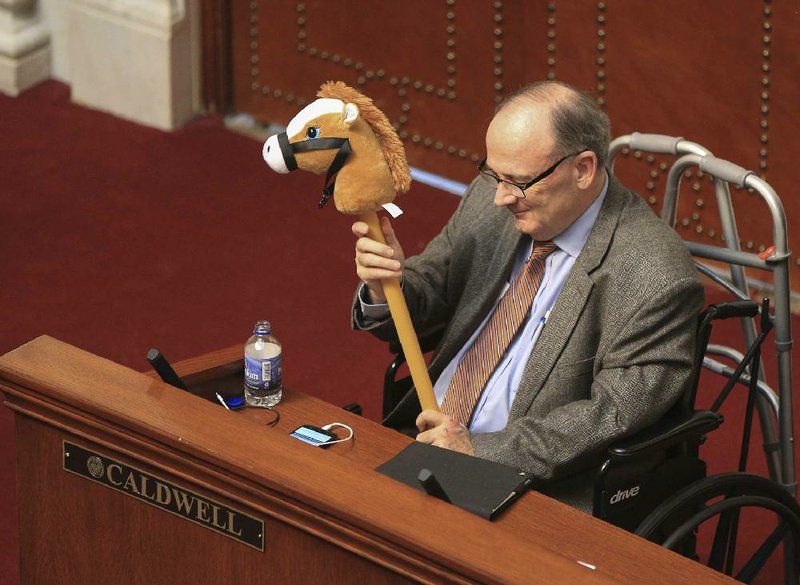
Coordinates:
[350,114]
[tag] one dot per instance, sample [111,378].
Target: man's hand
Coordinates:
[376,261]
[443,431]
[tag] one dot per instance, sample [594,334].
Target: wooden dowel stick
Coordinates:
[402,321]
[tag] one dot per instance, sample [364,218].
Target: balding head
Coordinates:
[576,121]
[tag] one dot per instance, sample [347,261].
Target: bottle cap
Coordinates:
[262,328]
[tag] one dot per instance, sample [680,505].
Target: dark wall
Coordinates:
[720,73]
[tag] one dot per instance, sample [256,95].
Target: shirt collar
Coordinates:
[572,239]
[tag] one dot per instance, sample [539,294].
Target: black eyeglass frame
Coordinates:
[523,186]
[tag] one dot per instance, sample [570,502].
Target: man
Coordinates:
[607,340]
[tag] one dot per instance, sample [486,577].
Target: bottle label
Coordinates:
[262,374]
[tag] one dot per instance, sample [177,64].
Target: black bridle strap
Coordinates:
[343,144]
[319,144]
[287,151]
[333,170]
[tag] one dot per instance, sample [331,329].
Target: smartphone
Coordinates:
[313,435]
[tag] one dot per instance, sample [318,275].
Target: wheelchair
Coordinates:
[655,483]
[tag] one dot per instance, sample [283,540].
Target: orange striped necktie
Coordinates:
[482,357]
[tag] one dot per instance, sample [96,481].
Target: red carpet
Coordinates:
[116,238]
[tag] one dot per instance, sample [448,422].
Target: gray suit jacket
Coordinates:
[616,351]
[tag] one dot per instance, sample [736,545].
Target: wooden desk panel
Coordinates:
[76,531]
[326,512]
[556,526]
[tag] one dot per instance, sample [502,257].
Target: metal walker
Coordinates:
[774,409]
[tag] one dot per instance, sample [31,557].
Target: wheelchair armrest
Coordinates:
[732,309]
[669,431]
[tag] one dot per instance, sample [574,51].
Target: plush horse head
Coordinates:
[344,135]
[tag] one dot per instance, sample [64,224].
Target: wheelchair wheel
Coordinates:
[715,507]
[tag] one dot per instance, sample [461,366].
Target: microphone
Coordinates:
[431,485]
[163,369]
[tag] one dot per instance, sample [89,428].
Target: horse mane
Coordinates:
[392,147]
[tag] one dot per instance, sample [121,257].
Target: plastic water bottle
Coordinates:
[262,367]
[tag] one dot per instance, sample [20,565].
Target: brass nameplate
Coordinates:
[164,494]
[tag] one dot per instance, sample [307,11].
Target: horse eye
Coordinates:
[312,132]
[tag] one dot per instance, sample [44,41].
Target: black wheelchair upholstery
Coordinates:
[641,471]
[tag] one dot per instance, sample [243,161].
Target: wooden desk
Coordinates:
[328,517]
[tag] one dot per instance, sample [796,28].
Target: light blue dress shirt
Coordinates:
[494,404]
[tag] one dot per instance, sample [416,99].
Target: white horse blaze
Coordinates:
[312,111]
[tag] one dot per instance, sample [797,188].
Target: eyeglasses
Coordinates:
[518,189]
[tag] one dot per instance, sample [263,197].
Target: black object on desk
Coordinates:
[168,375]
[163,369]
[431,485]
[477,485]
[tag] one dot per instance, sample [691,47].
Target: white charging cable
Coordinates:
[336,424]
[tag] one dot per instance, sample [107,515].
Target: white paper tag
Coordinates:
[393,210]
